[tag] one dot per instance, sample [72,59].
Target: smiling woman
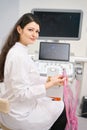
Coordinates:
[29,33]
[30,108]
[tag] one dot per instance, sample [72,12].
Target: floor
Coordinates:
[82,123]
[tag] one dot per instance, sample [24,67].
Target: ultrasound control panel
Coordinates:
[55,68]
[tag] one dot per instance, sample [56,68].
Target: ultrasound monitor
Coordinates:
[54,51]
[59,24]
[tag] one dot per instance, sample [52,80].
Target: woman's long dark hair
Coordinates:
[13,38]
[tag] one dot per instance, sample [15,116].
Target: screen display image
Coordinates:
[59,24]
[54,51]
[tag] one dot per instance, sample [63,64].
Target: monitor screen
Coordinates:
[59,24]
[54,51]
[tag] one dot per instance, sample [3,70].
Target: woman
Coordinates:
[30,108]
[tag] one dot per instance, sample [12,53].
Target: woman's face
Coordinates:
[29,33]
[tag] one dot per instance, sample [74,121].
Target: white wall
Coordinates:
[8,16]
[79,48]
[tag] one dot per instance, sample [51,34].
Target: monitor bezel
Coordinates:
[61,10]
[51,59]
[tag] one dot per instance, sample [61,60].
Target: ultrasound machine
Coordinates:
[54,58]
[57,25]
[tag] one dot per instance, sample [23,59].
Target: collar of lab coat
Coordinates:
[22,46]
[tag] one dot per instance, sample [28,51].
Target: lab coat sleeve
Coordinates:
[23,79]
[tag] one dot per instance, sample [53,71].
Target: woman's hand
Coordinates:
[55,81]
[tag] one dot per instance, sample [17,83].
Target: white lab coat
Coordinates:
[30,108]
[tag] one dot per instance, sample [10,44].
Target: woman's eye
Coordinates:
[38,32]
[30,29]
